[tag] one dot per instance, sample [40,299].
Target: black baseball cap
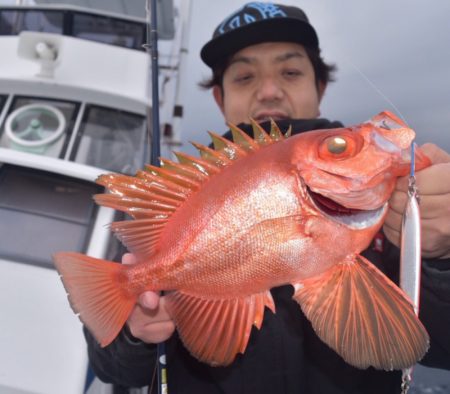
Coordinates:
[255,23]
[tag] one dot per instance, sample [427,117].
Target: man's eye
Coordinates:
[292,73]
[243,78]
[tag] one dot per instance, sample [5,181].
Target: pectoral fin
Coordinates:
[363,316]
[215,331]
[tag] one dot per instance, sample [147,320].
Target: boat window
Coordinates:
[12,22]
[111,139]
[84,25]
[108,30]
[2,102]
[42,213]
[38,125]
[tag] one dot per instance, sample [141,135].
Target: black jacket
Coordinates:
[285,356]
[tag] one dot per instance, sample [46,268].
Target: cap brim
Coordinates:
[277,29]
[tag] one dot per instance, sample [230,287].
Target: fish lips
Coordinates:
[357,219]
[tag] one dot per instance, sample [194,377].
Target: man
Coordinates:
[266,64]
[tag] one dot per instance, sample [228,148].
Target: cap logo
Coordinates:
[249,13]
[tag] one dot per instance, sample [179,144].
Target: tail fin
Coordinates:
[96,291]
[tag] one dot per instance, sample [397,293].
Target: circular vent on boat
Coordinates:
[34,126]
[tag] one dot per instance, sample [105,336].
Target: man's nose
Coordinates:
[269,89]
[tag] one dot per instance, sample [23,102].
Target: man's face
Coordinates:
[269,80]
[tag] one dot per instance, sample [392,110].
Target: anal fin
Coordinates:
[363,316]
[215,331]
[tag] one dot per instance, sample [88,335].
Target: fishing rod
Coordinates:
[154,134]
[152,50]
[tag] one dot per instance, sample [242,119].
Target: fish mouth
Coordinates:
[350,217]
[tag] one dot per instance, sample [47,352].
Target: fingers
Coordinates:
[436,154]
[392,227]
[397,203]
[433,180]
[149,300]
[434,235]
[155,333]
[151,325]
[129,258]
[435,223]
[149,321]
[431,206]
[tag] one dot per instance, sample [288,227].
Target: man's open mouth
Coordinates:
[355,218]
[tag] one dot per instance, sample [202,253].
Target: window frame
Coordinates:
[69,22]
[85,224]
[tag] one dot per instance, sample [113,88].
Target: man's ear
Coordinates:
[321,90]
[218,96]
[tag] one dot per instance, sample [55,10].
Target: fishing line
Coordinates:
[377,90]
[385,97]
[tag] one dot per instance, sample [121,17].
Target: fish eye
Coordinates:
[340,146]
[336,145]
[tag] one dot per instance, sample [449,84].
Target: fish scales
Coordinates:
[258,214]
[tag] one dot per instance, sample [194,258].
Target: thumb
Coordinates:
[129,258]
[149,300]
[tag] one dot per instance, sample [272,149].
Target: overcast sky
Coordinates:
[387,51]
[402,47]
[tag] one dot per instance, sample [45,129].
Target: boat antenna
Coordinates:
[154,139]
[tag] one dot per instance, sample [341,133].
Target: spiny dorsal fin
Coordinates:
[212,156]
[173,176]
[243,140]
[184,170]
[154,194]
[201,165]
[275,132]
[288,132]
[229,149]
[259,134]
[120,185]
[163,186]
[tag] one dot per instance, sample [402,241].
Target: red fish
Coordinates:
[218,232]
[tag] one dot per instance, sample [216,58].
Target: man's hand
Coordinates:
[149,321]
[434,190]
